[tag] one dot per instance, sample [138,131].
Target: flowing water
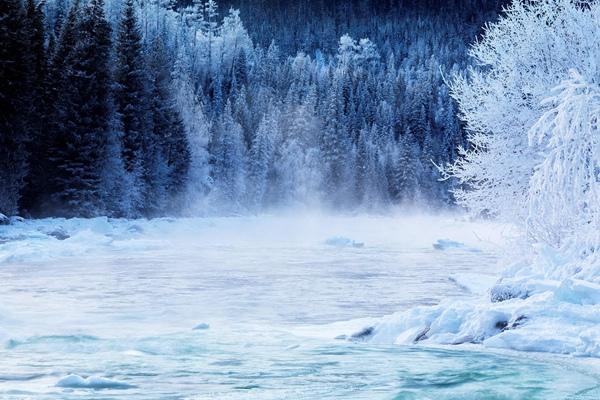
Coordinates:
[247,309]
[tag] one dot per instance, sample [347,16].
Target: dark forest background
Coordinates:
[152,108]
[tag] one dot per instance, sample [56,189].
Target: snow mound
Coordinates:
[92,382]
[340,241]
[533,307]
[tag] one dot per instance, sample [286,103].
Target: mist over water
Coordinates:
[237,308]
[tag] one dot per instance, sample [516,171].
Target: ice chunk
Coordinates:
[445,244]
[340,241]
[577,291]
[4,220]
[92,382]
[201,327]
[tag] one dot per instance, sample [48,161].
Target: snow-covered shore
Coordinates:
[535,305]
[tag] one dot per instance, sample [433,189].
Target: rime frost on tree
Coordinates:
[564,192]
[522,57]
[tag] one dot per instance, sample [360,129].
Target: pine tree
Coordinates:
[335,145]
[168,130]
[37,110]
[229,167]
[37,60]
[87,112]
[13,79]
[132,103]
[260,159]
[240,68]
[44,178]
[197,130]
[210,26]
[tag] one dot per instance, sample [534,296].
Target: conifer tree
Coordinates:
[13,129]
[168,131]
[37,105]
[260,159]
[229,169]
[132,103]
[86,109]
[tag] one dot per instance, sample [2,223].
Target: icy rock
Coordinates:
[340,241]
[16,219]
[58,233]
[92,382]
[422,336]
[504,326]
[4,220]
[363,334]
[201,327]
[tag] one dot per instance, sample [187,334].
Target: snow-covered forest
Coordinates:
[168,171]
[148,108]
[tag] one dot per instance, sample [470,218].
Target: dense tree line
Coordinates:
[90,124]
[140,109]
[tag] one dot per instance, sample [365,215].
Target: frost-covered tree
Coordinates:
[229,165]
[198,130]
[522,57]
[564,192]
[169,137]
[260,160]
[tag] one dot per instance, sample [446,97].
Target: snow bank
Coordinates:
[534,306]
[92,382]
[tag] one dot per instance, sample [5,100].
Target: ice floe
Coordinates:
[73,381]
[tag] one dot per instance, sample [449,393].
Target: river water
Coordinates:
[249,309]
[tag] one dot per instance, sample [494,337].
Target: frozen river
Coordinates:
[242,308]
